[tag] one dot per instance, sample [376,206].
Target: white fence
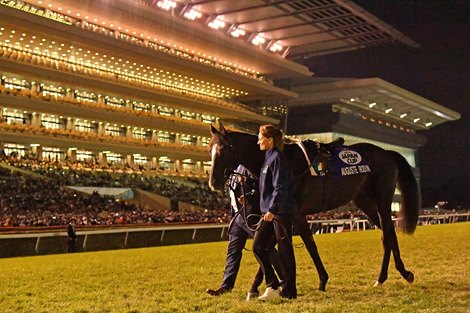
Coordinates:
[12,245]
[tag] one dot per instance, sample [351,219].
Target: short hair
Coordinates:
[271,131]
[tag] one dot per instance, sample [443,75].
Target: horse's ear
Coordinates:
[213,130]
[222,128]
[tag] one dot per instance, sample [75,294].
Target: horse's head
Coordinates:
[228,149]
[222,157]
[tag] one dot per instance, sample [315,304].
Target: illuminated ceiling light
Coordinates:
[373,104]
[192,14]
[416,120]
[216,23]
[258,40]
[166,4]
[428,123]
[276,47]
[403,115]
[388,110]
[237,32]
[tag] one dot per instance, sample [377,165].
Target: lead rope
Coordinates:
[255,227]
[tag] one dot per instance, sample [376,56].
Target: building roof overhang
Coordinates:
[305,28]
[374,97]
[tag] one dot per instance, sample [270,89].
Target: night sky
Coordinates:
[438,71]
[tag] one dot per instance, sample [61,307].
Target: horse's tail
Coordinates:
[410,195]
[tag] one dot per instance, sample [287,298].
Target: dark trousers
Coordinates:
[280,228]
[237,239]
[71,244]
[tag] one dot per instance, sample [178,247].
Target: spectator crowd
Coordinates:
[40,196]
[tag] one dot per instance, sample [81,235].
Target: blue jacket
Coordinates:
[275,184]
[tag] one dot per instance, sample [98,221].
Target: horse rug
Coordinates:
[340,161]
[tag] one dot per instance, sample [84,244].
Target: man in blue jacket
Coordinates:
[239,232]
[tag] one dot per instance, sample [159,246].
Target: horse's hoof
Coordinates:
[411,278]
[378,284]
[322,285]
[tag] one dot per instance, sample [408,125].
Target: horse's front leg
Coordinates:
[303,230]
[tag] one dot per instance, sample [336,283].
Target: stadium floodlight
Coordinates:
[276,47]
[416,120]
[373,104]
[258,40]
[166,4]
[403,115]
[216,23]
[192,14]
[237,32]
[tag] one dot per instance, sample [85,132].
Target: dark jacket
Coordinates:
[275,184]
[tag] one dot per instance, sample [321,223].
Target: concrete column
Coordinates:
[130,159]
[198,141]
[36,120]
[101,128]
[102,158]
[100,100]
[72,153]
[129,132]
[177,164]
[69,95]
[70,124]
[35,89]
[37,152]
[154,135]
[199,168]
[154,163]
[178,138]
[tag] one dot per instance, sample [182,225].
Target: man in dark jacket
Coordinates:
[239,232]
[71,237]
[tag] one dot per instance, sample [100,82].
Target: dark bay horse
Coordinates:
[372,192]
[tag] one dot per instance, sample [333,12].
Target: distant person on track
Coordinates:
[71,237]
[239,232]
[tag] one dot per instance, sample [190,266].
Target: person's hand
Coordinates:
[268,217]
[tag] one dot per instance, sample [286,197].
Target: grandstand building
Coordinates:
[137,83]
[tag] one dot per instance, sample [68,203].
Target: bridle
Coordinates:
[233,176]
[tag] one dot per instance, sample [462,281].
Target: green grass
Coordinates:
[174,279]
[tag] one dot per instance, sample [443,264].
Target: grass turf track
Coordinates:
[174,278]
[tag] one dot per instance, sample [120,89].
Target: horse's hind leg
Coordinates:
[407,275]
[303,230]
[383,219]
[390,244]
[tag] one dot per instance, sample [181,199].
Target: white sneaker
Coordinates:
[270,294]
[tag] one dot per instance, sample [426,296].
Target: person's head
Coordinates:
[270,137]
